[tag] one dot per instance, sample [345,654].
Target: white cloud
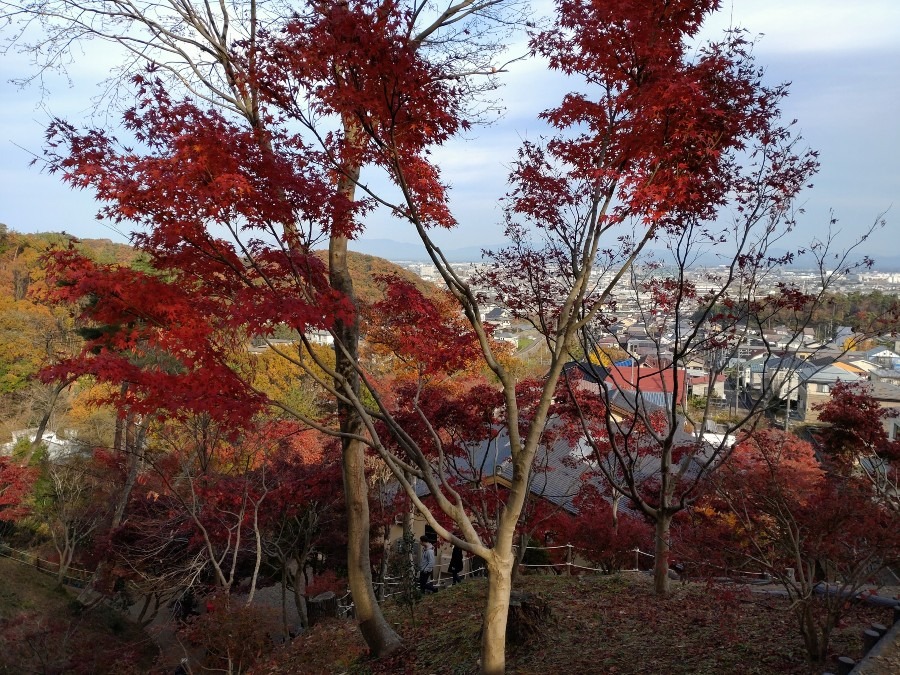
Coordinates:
[791,26]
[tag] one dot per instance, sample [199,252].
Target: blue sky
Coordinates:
[843,60]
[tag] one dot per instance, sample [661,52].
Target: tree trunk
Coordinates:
[134,456]
[385,556]
[376,631]
[661,560]
[493,632]
[378,634]
[142,619]
[45,419]
[121,422]
[520,556]
[89,595]
[616,498]
[66,554]
[299,598]
[528,618]
[815,648]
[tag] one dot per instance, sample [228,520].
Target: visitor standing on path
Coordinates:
[426,567]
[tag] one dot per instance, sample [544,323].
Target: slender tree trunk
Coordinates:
[385,557]
[66,554]
[661,561]
[376,631]
[134,452]
[616,498]
[815,648]
[143,613]
[493,632]
[257,537]
[299,598]
[121,422]
[45,419]
[134,456]
[285,629]
[520,556]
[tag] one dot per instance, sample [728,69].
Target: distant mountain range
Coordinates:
[397,251]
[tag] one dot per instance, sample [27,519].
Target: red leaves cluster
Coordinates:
[357,61]
[428,333]
[453,420]
[788,510]
[665,127]
[198,168]
[600,538]
[856,428]
[156,335]
[16,483]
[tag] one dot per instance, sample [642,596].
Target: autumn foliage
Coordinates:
[856,441]
[16,483]
[230,182]
[819,534]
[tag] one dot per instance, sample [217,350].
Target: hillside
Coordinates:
[25,322]
[599,624]
[33,334]
[365,269]
[41,631]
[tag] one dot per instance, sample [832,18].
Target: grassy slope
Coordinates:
[41,631]
[600,625]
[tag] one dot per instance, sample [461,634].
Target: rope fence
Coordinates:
[78,577]
[73,576]
[569,563]
[571,556]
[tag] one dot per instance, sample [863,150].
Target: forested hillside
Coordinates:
[367,269]
[35,333]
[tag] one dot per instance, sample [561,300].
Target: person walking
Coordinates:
[426,567]
[456,564]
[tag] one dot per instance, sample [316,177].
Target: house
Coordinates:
[657,385]
[861,364]
[815,388]
[885,375]
[498,316]
[57,445]
[318,336]
[777,376]
[507,336]
[699,384]
[841,335]
[882,357]
[888,396]
[851,368]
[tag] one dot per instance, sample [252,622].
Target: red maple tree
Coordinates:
[819,534]
[856,440]
[229,189]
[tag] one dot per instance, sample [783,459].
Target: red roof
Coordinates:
[632,378]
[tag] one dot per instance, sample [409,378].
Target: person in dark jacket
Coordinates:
[456,564]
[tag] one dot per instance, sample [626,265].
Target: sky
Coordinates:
[842,59]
